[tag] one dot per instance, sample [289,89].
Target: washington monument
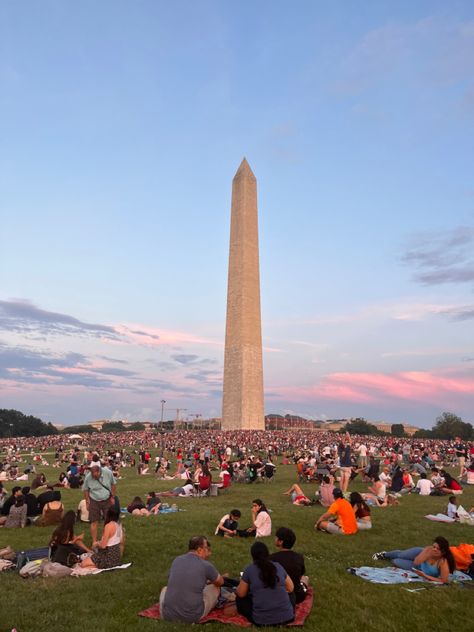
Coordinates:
[243,371]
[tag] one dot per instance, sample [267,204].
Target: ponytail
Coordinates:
[261,559]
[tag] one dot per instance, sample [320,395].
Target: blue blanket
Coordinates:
[394,575]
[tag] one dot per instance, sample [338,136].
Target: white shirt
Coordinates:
[425,486]
[362,450]
[263,524]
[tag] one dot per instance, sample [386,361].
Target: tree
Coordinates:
[86,429]
[114,426]
[423,433]
[136,426]
[448,426]
[362,427]
[13,423]
[398,430]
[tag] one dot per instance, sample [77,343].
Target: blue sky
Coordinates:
[121,126]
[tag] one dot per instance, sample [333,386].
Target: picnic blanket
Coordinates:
[440,517]
[162,510]
[464,517]
[302,611]
[77,571]
[394,575]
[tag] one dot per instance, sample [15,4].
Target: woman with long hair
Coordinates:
[361,511]
[261,521]
[137,507]
[110,546]
[451,485]
[262,595]
[434,562]
[63,541]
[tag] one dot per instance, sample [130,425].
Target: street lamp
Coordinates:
[163,402]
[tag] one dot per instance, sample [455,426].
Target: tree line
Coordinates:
[447,426]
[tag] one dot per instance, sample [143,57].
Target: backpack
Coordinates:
[31,569]
[53,569]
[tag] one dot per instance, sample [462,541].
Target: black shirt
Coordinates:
[31,503]
[45,498]
[293,563]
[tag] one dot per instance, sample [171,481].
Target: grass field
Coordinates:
[111,601]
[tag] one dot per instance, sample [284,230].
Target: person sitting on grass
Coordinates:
[325,491]
[378,494]
[297,495]
[451,485]
[153,503]
[63,541]
[424,486]
[39,481]
[292,562]
[110,547]
[17,515]
[228,524]
[339,518]
[452,510]
[193,584]
[361,511]
[137,507]
[261,521]
[262,595]
[52,513]
[433,563]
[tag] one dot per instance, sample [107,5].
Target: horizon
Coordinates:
[123,126]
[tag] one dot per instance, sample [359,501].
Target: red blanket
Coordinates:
[302,611]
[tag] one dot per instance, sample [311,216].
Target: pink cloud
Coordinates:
[420,386]
[153,337]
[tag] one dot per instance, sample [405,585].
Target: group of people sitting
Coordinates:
[22,507]
[106,552]
[266,594]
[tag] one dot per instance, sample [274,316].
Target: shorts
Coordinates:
[334,528]
[98,509]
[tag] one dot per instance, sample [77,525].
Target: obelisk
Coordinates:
[243,370]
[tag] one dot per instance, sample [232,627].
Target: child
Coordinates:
[453,507]
[228,524]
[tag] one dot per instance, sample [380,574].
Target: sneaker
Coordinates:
[379,556]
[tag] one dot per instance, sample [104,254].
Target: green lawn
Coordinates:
[110,601]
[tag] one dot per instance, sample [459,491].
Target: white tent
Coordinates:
[75,436]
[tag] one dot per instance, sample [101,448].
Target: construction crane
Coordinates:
[177,423]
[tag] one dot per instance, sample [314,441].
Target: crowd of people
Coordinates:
[272,584]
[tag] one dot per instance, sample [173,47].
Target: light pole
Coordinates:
[163,402]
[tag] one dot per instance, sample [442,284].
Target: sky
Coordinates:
[121,126]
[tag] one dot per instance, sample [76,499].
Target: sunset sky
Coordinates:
[121,127]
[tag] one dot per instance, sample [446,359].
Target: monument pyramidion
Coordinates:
[243,369]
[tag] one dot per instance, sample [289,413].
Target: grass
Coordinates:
[110,601]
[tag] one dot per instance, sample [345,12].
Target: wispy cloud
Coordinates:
[443,257]
[431,51]
[24,317]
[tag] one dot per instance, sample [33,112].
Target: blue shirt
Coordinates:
[101,488]
[270,606]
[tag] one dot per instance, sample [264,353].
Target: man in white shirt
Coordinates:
[362,450]
[424,486]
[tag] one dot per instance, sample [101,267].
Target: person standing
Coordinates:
[461,453]
[345,461]
[193,584]
[99,492]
